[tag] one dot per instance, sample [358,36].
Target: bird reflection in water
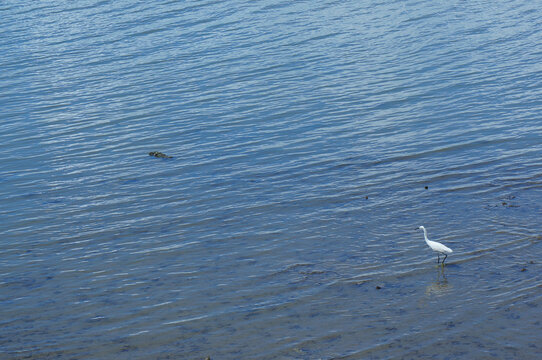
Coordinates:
[440,286]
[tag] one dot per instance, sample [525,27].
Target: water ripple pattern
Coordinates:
[309,140]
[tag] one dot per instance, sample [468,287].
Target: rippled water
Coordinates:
[309,139]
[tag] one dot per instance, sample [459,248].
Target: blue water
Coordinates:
[309,140]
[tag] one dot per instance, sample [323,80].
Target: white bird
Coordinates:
[436,246]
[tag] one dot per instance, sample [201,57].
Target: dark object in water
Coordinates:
[378,287]
[426,187]
[158,154]
[523,269]
[366,197]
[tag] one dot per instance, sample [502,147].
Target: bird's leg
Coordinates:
[438,258]
[444,259]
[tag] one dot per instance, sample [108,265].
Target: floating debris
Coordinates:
[504,202]
[426,187]
[378,287]
[524,269]
[158,154]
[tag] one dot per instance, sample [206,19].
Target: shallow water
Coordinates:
[303,139]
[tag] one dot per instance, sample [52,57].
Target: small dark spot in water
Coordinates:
[127,348]
[524,269]
[293,266]
[513,316]
[56,201]
[378,287]
[503,203]
[426,187]
[313,272]
[531,262]
[366,197]
[158,154]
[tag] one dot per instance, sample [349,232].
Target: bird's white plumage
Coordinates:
[435,246]
[438,247]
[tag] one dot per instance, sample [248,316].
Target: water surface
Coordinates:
[308,142]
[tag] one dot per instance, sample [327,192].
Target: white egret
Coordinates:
[436,246]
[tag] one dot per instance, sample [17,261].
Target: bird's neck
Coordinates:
[425,236]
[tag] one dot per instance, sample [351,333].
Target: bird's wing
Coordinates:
[442,248]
